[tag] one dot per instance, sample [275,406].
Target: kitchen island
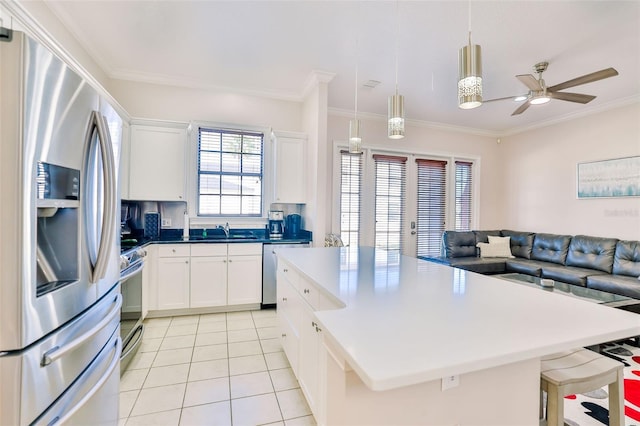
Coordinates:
[404,341]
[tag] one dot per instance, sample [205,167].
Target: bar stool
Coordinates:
[579,371]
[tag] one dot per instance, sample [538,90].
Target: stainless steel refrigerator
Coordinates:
[59,292]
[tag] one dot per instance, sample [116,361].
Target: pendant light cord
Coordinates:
[356,91]
[397,44]
[469,24]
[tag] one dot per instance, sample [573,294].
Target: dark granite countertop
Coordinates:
[214,236]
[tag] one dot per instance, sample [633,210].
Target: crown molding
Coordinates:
[315,78]
[631,100]
[339,112]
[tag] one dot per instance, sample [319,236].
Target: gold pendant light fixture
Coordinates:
[396,102]
[470,73]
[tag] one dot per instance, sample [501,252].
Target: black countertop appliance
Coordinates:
[292,228]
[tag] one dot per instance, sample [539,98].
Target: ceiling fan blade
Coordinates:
[522,108]
[529,81]
[500,99]
[587,78]
[572,97]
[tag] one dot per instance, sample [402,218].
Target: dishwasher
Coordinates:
[269,271]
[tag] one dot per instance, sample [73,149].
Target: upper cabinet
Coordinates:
[157,156]
[290,165]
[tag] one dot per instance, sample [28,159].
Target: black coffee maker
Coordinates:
[276,224]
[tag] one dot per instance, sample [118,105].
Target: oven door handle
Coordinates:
[131,272]
[57,352]
[106,376]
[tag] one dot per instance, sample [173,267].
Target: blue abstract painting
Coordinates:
[619,177]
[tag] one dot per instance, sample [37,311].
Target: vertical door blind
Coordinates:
[229,173]
[390,174]
[350,198]
[464,190]
[432,209]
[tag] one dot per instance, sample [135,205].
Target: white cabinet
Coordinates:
[157,156]
[125,153]
[290,170]
[208,275]
[244,274]
[172,286]
[301,335]
[188,276]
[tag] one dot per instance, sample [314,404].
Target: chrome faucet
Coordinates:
[225,228]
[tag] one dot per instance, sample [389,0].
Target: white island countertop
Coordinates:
[406,321]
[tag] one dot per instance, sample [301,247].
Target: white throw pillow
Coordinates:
[499,240]
[495,249]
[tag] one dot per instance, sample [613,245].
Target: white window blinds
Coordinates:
[432,209]
[229,173]
[350,197]
[464,191]
[390,174]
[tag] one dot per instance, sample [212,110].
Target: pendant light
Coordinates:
[470,76]
[396,102]
[355,141]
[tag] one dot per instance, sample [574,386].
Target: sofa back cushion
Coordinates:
[483,236]
[626,260]
[592,252]
[459,243]
[521,243]
[550,248]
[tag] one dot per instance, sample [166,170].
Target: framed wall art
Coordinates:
[619,177]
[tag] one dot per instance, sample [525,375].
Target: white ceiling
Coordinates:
[271,48]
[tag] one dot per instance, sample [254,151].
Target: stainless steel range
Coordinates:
[132,262]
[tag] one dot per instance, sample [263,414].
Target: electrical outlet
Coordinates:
[450,382]
[166,221]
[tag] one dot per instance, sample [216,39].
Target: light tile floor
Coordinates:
[212,369]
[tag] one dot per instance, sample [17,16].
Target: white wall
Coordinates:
[539,169]
[161,102]
[421,139]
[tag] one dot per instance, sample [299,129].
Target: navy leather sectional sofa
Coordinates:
[606,264]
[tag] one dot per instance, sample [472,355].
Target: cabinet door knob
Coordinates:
[318,329]
[284,335]
[306,291]
[173,250]
[284,299]
[224,260]
[313,324]
[186,261]
[285,270]
[230,260]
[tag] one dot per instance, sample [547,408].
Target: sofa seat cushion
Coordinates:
[591,252]
[487,266]
[568,274]
[618,284]
[525,266]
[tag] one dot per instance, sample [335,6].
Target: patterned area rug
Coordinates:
[592,408]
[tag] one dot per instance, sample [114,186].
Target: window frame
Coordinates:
[192,185]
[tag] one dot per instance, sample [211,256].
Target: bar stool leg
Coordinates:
[555,406]
[616,401]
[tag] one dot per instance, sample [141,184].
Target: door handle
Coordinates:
[95,388]
[107,235]
[57,352]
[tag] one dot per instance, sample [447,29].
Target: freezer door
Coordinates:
[31,380]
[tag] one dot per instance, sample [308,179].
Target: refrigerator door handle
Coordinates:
[95,388]
[108,232]
[57,352]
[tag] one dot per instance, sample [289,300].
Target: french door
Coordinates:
[403,202]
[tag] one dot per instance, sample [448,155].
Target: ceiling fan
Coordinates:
[539,93]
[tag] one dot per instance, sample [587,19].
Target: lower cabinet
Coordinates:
[172,286]
[301,335]
[206,276]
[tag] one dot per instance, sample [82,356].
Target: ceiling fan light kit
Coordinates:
[540,94]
